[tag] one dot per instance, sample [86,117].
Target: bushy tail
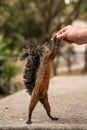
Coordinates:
[23,56]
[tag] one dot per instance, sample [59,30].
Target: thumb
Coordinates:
[61,36]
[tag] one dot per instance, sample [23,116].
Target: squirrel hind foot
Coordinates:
[54,118]
[29,122]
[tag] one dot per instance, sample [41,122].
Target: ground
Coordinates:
[68,99]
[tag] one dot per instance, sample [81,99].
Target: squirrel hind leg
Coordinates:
[46,105]
[33,103]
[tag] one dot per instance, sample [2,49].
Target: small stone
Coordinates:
[21,119]
[6,107]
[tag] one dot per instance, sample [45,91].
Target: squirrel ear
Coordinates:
[46,44]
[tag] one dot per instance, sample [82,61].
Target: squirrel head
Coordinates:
[44,49]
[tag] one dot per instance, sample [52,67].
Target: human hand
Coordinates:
[72,34]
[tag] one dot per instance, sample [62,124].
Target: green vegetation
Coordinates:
[36,19]
[7,71]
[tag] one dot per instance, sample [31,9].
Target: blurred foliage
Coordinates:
[37,19]
[7,71]
[20,19]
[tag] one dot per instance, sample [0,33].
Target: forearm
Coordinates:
[82,36]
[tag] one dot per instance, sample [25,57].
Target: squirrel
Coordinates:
[37,74]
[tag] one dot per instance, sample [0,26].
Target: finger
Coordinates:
[61,36]
[68,41]
[61,31]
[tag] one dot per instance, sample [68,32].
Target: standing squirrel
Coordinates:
[37,74]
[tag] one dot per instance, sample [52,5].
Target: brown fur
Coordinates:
[40,91]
